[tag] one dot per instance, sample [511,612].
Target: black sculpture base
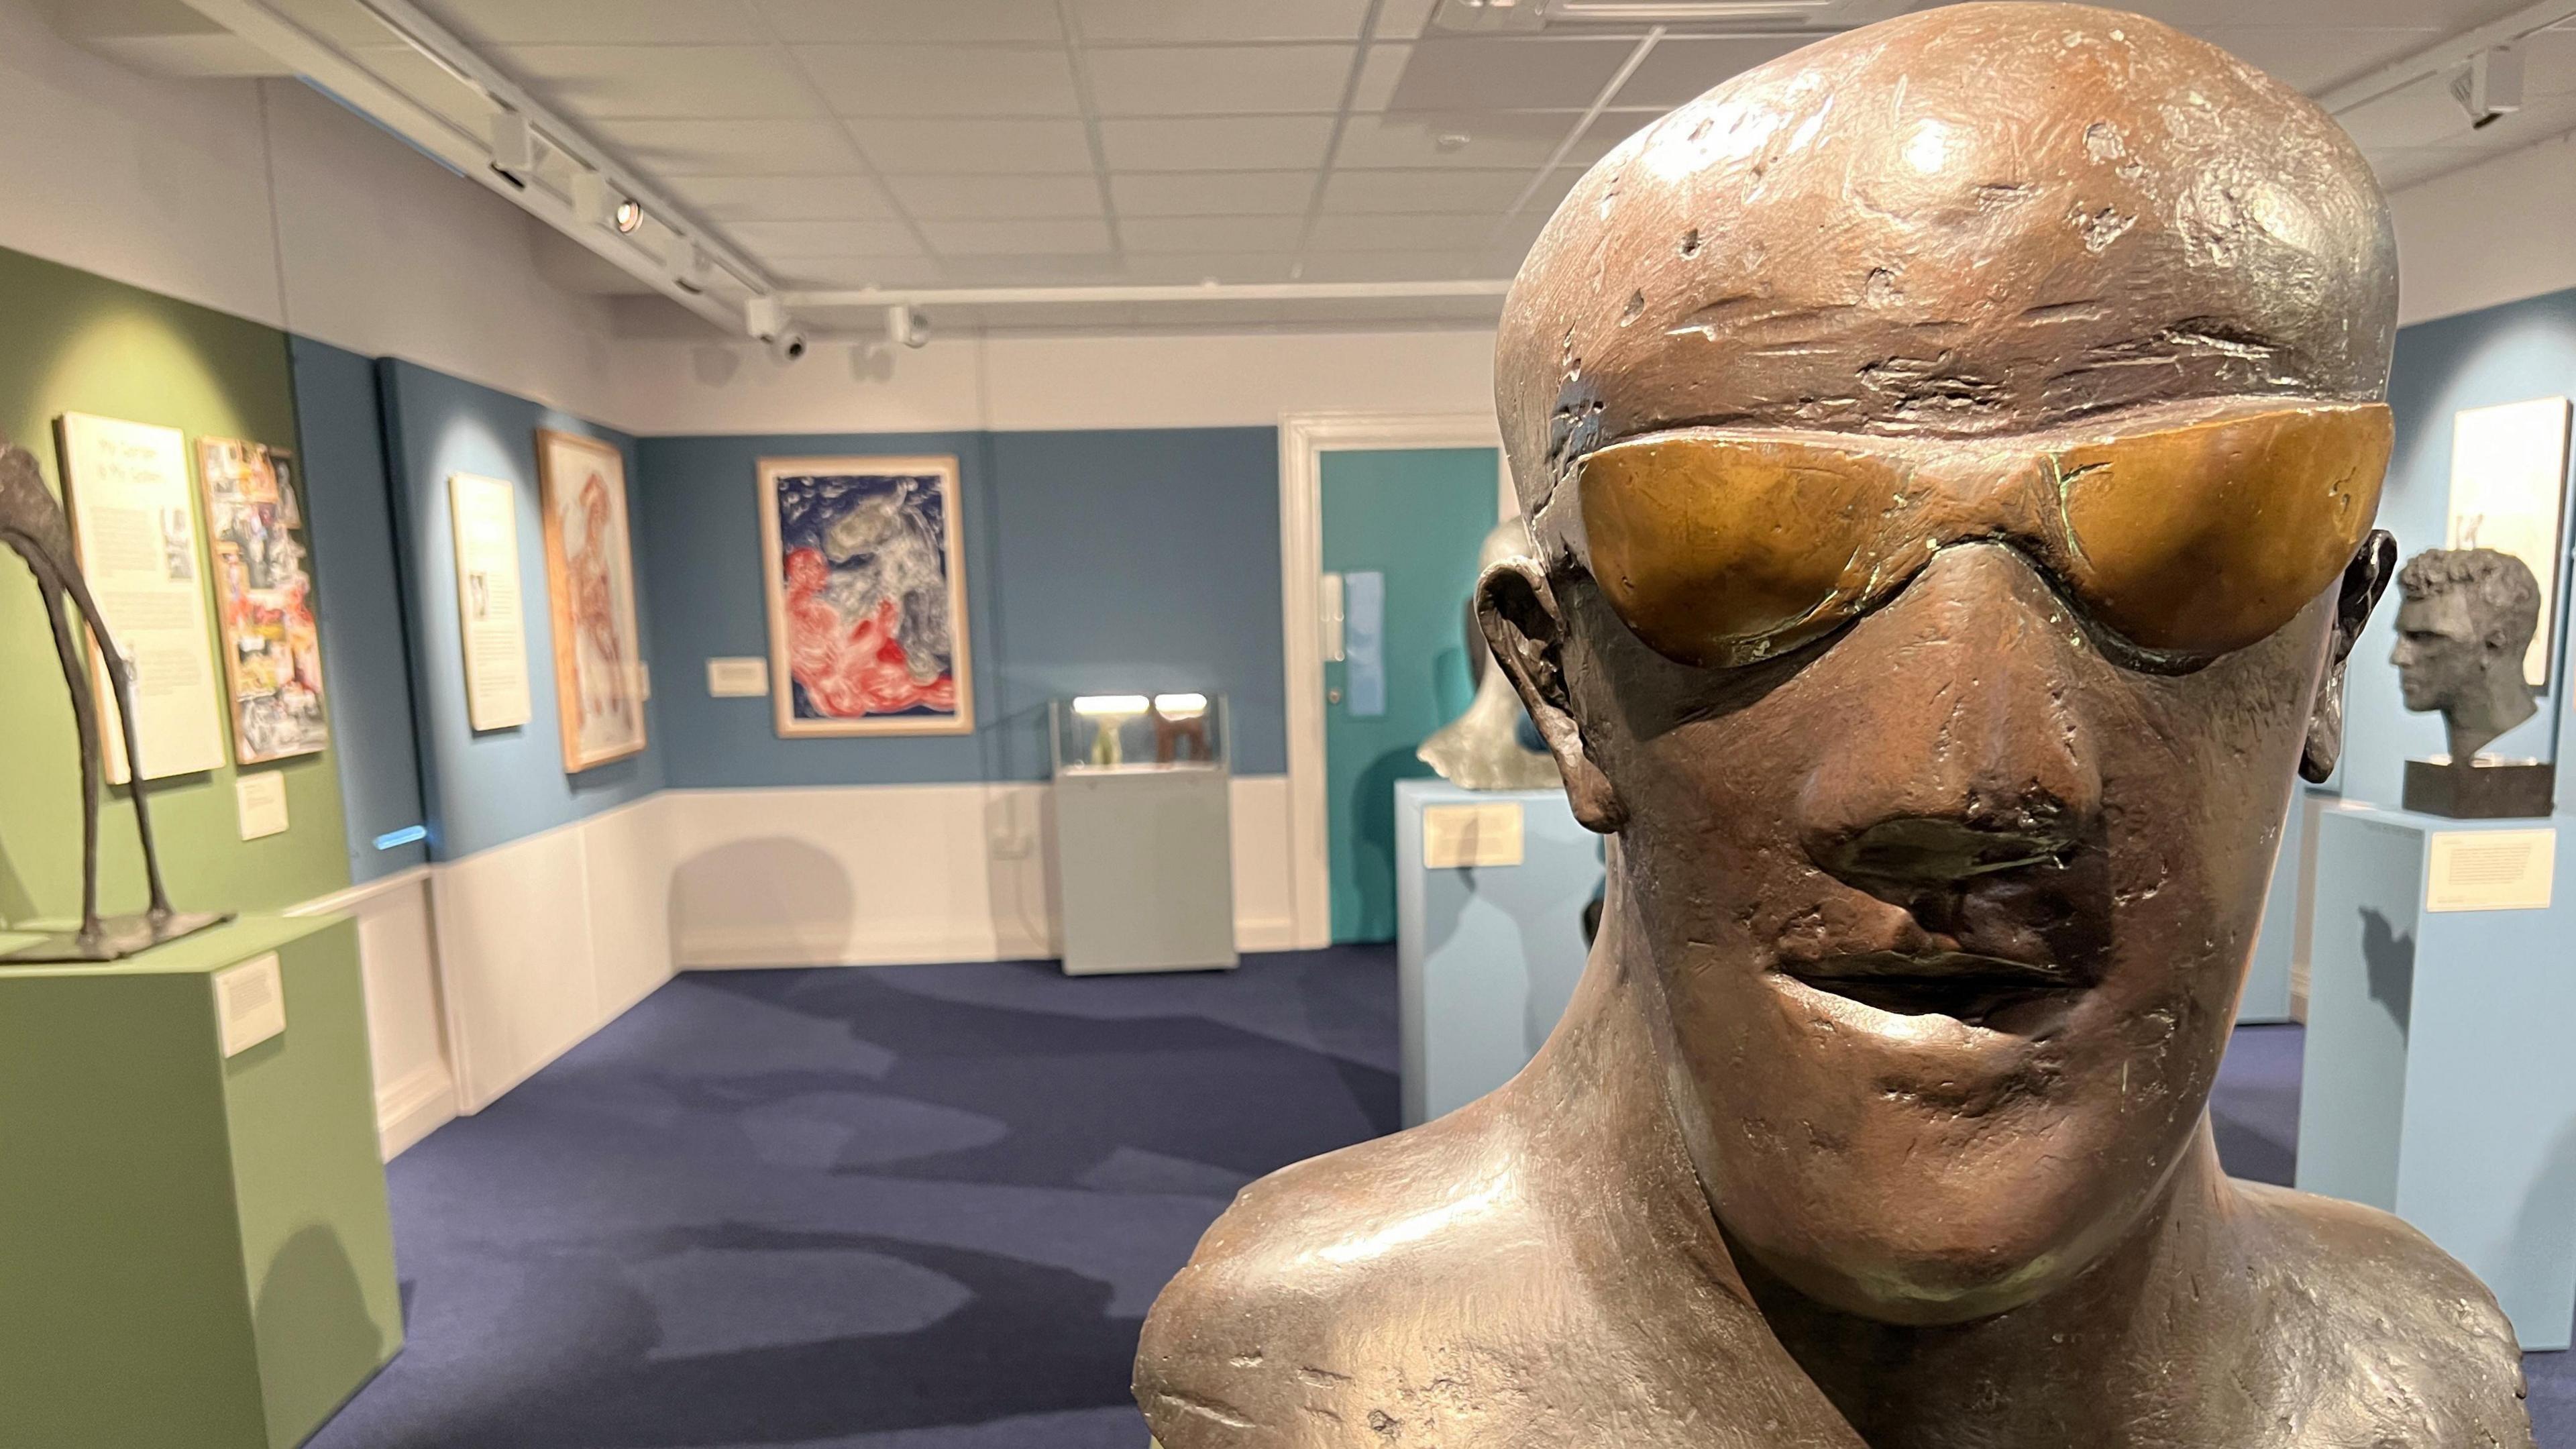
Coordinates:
[118,937]
[2485,790]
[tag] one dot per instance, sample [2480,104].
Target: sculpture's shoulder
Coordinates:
[1409,1286]
[2398,1342]
[1303,1314]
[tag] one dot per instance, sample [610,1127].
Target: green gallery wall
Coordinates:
[74,342]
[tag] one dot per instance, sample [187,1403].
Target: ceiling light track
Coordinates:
[2460,50]
[1083,296]
[601,209]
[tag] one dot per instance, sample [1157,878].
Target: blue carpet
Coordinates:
[919,1207]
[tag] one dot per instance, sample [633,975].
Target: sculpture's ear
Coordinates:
[2364,580]
[1522,622]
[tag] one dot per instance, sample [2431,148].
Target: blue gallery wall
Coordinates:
[1110,560]
[2512,353]
[490,788]
[366,662]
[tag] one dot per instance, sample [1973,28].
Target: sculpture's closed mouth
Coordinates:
[1959,984]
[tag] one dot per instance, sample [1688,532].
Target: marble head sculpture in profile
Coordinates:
[1951,453]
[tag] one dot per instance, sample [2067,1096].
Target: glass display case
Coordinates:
[1143,832]
[1096,733]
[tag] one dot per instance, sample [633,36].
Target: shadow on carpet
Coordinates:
[882,1208]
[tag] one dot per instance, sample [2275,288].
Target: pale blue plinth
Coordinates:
[2282,942]
[1487,956]
[2440,1081]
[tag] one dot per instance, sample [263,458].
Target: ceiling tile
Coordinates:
[1677,71]
[943,80]
[1408,265]
[2549,63]
[1486,73]
[748,148]
[779,198]
[906,271]
[1404,19]
[1210,233]
[2422,114]
[2314,58]
[1169,268]
[1212,193]
[592,22]
[968,198]
[824,238]
[1380,73]
[1387,231]
[595,82]
[1492,140]
[2441,17]
[1010,238]
[901,21]
[1449,190]
[1220,80]
[1216,143]
[1183,22]
[933,147]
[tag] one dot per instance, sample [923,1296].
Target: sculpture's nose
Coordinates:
[1974,763]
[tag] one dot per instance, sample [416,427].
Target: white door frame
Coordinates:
[1304,439]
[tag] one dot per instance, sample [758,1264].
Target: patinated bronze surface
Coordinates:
[33,526]
[1481,749]
[2464,623]
[1983,408]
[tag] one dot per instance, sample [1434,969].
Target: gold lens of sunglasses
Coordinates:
[1724,549]
[2205,539]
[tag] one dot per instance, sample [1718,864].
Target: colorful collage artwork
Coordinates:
[263,575]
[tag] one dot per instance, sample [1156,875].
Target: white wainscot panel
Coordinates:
[883,874]
[627,857]
[514,936]
[406,1013]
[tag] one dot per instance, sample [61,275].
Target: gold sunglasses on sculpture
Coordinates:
[1724,547]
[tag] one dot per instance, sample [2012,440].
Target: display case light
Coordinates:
[1102,704]
[1179,706]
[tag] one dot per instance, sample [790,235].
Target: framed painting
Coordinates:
[863,560]
[590,586]
[263,600]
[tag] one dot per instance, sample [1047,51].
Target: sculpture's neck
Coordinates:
[2507,703]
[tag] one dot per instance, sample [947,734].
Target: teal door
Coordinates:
[1413,518]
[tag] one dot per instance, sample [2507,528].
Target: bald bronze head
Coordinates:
[1951,452]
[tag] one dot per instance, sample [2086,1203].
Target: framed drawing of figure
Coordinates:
[263,600]
[590,584]
[864,564]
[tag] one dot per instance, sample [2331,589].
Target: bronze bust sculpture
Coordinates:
[1481,749]
[2465,620]
[1952,451]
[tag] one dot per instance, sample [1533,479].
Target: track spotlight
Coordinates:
[629,215]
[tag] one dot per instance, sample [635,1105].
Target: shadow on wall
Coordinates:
[758,901]
[2388,960]
[315,1337]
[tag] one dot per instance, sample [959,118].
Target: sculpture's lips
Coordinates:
[1959,984]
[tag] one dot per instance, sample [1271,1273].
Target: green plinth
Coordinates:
[194,1250]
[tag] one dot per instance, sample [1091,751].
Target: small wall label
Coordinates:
[2490,870]
[1455,836]
[259,798]
[739,678]
[250,1004]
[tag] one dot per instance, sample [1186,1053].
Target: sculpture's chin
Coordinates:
[1923,1291]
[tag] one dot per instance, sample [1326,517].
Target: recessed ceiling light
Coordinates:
[630,214]
[1451,141]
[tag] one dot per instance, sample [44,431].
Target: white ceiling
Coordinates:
[850,143]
